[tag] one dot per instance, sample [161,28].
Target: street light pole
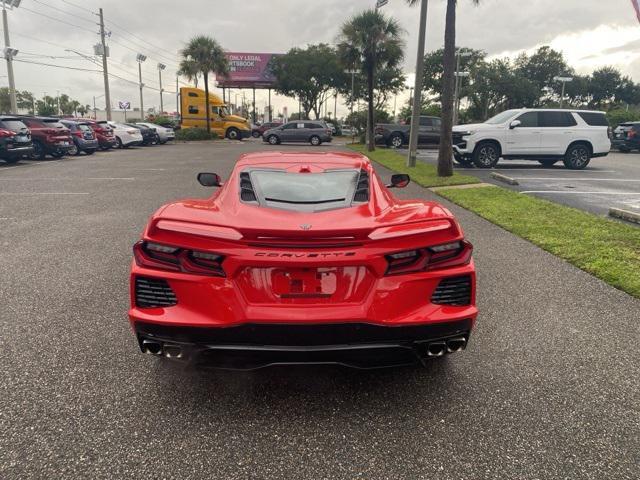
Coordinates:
[9,53]
[459,75]
[161,67]
[564,81]
[353,72]
[417,99]
[141,58]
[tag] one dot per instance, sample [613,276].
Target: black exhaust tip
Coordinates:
[151,347]
[436,349]
[456,344]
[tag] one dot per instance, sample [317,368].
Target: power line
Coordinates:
[113,24]
[66,12]
[58,66]
[57,19]
[78,7]
[43,41]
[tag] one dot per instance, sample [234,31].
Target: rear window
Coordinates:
[594,119]
[85,128]
[53,124]
[305,191]
[556,119]
[15,125]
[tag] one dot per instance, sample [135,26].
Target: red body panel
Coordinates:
[284,266]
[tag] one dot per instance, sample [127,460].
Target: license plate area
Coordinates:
[304,282]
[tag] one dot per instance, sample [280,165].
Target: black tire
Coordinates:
[315,140]
[255,134]
[395,140]
[233,134]
[547,163]
[11,160]
[577,157]
[38,150]
[486,155]
[119,142]
[74,150]
[273,140]
[57,154]
[624,150]
[462,161]
[89,152]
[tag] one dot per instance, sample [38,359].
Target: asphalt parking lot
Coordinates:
[548,388]
[612,181]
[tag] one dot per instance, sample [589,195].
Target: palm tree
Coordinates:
[445,165]
[189,70]
[203,55]
[371,42]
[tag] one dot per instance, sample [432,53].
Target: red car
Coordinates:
[302,258]
[104,133]
[49,135]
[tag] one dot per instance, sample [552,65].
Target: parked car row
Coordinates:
[36,137]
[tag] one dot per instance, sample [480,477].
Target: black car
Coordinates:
[149,135]
[84,138]
[15,139]
[397,134]
[626,137]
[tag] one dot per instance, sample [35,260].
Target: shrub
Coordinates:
[190,134]
[618,116]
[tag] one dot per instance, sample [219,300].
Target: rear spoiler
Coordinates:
[407,229]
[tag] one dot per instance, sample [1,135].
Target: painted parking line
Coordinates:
[580,180]
[580,192]
[44,193]
[540,169]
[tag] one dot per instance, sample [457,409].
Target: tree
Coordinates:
[603,86]
[5,101]
[47,106]
[434,67]
[309,74]
[388,82]
[541,68]
[371,42]
[25,101]
[204,55]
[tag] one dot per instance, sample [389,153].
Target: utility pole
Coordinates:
[177,96]
[58,101]
[95,111]
[9,53]
[141,58]
[160,68]
[105,71]
[417,99]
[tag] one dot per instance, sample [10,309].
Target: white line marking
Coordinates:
[572,191]
[7,218]
[68,178]
[555,170]
[44,193]
[580,179]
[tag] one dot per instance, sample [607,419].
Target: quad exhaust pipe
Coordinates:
[159,349]
[442,347]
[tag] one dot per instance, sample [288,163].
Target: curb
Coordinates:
[504,178]
[624,215]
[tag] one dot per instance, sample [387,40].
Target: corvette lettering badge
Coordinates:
[305,226]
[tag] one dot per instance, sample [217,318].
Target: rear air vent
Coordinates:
[154,292]
[362,190]
[453,291]
[247,193]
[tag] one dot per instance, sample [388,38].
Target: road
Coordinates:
[612,181]
[548,387]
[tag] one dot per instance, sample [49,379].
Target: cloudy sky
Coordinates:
[591,33]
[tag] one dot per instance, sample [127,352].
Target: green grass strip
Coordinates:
[607,249]
[423,174]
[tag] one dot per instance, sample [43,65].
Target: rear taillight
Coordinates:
[165,257]
[446,255]
[6,133]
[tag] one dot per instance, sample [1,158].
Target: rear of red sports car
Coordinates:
[302,258]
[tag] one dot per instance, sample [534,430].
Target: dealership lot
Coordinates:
[547,388]
[612,181]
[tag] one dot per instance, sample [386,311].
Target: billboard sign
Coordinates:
[125,105]
[248,70]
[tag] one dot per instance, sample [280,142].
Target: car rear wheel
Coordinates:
[57,154]
[486,155]
[396,140]
[273,140]
[38,150]
[120,145]
[315,140]
[578,157]
[548,163]
[255,134]
[74,150]
[89,152]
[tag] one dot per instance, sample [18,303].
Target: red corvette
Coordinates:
[302,258]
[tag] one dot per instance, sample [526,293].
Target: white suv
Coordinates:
[548,136]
